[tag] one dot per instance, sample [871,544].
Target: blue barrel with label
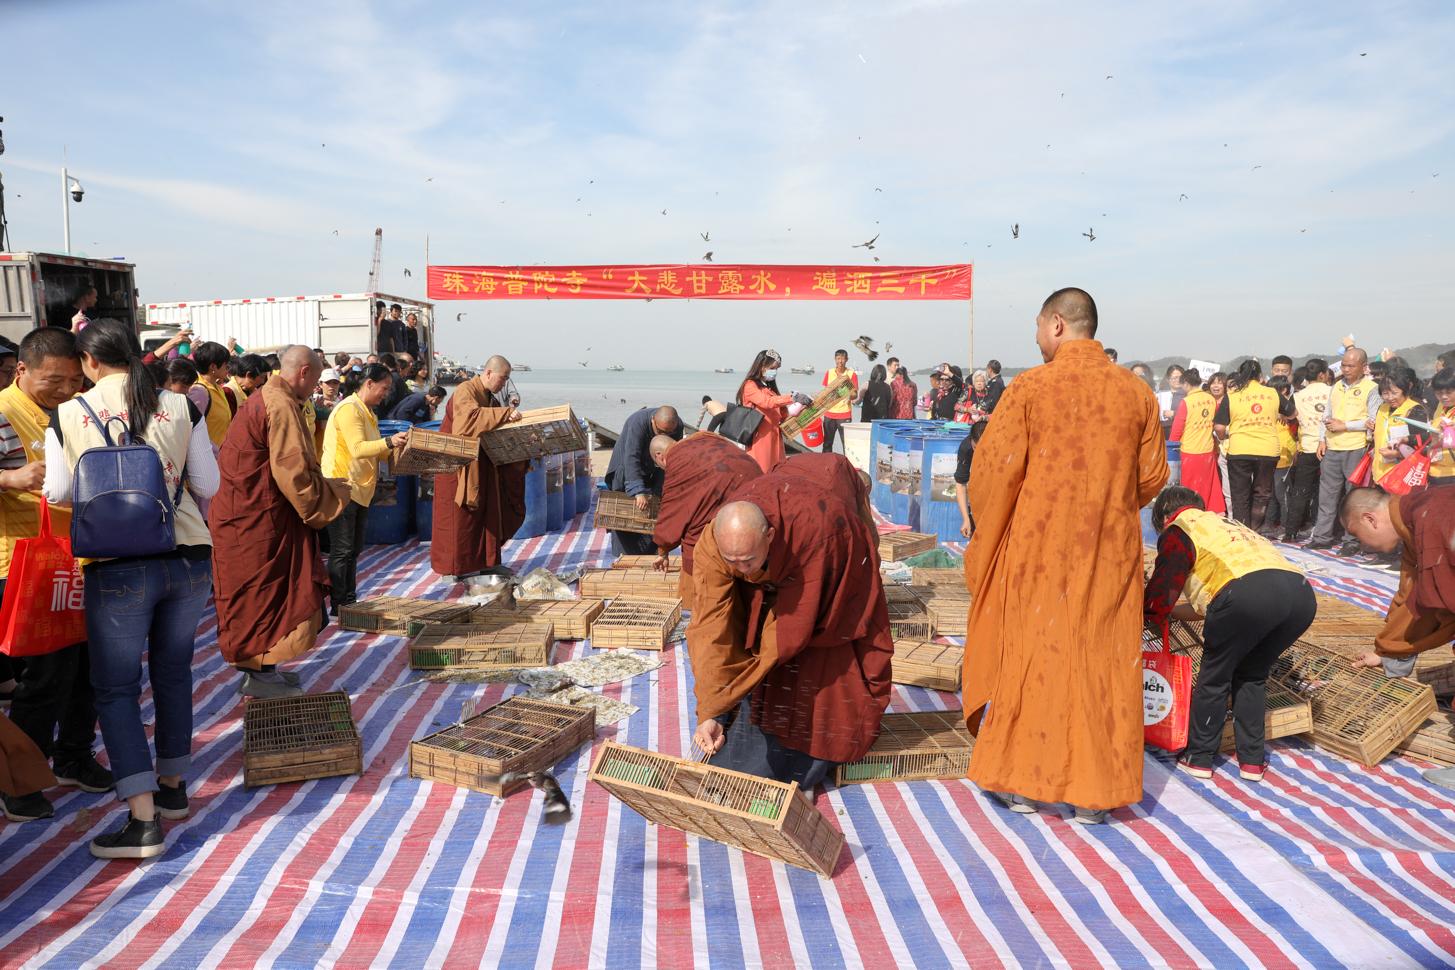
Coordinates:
[584,486]
[555,509]
[391,514]
[568,487]
[424,499]
[881,449]
[1174,463]
[905,464]
[535,501]
[939,512]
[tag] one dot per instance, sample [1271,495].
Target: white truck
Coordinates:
[37,289]
[336,323]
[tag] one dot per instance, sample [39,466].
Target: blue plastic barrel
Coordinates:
[584,486]
[555,510]
[905,461]
[424,498]
[568,487]
[881,449]
[391,520]
[939,512]
[535,501]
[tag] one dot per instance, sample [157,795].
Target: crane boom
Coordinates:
[374,266]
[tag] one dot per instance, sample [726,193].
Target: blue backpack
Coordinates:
[120,504]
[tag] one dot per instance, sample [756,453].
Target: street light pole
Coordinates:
[66,206]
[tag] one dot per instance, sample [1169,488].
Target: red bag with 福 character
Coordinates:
[44,607]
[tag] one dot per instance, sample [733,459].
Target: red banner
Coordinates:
[700,281]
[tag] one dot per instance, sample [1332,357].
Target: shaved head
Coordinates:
[665,419]
[299,368]
[1356,356]
[1076,307]
[495,374]
[1365,513]
[659,447]
[743,536]
[497,363]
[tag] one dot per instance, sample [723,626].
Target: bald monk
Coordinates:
[632,469]
[267,575]
[701,473]
[1055,572]
[478,508]
[790,643]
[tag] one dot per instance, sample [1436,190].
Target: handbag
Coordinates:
[1363,472]
[1166,696]
[1410,475]
[44,608]
[740,424]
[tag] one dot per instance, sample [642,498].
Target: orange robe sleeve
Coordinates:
[295,469]
[473,419]
[1407,631]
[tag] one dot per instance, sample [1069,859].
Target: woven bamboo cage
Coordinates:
[930,576]
[516,736]
[433,453]
[1436,667]
[1358,713]
[392,614]
[541,432]
[840,387]
[1185,637]
[1434,741]
[618,512]
[923,663]
[505,646]
[1367,624]
[1345,645]
[948,608]
[756,815]
[298,738]
[1332,606]
[643,583]
[898,546]
[638,624]
[674,563]
[897,593]
[910,621]
[914,747]
[1149,561]
[569,619]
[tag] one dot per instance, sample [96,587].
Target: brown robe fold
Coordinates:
[808,637]
[477,509]
[838,474]
[23,769]
[267,574]
[1053,650]
[701,472]
[1422,613]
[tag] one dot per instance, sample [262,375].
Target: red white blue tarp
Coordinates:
[1325,864]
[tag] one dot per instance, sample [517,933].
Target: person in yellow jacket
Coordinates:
[1442,467]
[1255,605]
[1353,403]
[1247,421]
[1192,429]
[211,360]
[352,450]
[1394,440]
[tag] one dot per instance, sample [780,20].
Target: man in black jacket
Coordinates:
[632,469]
[995,386]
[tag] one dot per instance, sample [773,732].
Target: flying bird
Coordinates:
[1256,168]
[429,178]
[1015,231]
[876,259]
[407,272]
[1108,77]
[707,256]
[459,317]
[1182,197]
[878,189]
[1090,234]
[664,212]
[557,808]
[335,232]
[888,346]
[1364,54]
[866,245]
[866,344]
[706,236]
[587,363]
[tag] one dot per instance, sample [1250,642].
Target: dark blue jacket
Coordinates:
[413,408]
[632,470]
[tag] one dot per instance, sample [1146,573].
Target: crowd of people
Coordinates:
[266,466]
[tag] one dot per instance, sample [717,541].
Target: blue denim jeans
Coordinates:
[149,606]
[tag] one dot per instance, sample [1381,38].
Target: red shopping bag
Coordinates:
[1363,472]
[1166,696]
[812,433]
[1408,476]
[44,608]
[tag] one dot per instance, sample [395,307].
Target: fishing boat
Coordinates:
[800,370]
[722,370]
[616,367]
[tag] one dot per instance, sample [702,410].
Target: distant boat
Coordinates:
[616,367]
[800,370]
[521,368]
[722,370]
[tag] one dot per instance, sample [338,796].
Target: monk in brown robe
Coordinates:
[701,473]
[267,575]
[478,508]
[790,643]
[837,473]
[1055,571]
[23,769]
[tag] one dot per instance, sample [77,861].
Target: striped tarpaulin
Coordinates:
[1325,864]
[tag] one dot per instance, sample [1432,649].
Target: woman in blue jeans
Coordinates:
[141,604]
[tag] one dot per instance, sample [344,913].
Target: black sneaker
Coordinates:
[171,802]
[134,840]
[28,808]
[86,775]
[1317,544]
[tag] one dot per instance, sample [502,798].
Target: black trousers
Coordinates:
[634,544]
[1250,479]
[1303,493]
[1249,624]
[831,431]
[345,542]
[54,704]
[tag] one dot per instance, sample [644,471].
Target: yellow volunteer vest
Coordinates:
[1287,444]
[20,511]
[1253,421]
[1197,433]
[1383,421]
[1311,405]
[1442,461]
[219,415]
[841,408]
[1226,551]
[1349,404]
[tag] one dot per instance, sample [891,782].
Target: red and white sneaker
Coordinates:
[1196,771]
[1251,772]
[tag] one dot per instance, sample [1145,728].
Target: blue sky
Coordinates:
[1306,137]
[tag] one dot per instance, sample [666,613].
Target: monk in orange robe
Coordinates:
[268,578]
[1052,678]
[701,473]
[790,644]
[478,508]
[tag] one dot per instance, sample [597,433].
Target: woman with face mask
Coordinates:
[759,391]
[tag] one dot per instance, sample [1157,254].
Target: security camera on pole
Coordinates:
[70,189]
